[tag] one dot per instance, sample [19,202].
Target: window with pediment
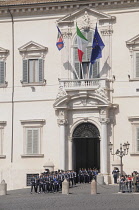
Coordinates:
[3,56]
[86,70]
[133,45]
[33,63]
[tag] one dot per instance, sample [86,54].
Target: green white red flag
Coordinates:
[82,43]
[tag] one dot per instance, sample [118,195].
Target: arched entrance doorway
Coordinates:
[86,144]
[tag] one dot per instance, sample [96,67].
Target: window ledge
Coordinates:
[32,156]
[33,84]
[2,156]
[4,85]
[133,79]
[134,153]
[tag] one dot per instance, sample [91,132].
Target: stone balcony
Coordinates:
[84,84]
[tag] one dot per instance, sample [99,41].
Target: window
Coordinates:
[2,72]
[135,134]
[136,64]
[32,137]
[33,71]
[28,179]
[33,63]
[86,70]
[33,140]
[137,139]
[133,46]
[3,56]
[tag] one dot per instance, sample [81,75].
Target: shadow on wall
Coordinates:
[106,68]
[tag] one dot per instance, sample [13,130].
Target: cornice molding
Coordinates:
[35,8]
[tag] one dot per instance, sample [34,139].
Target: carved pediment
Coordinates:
[31,47]
[85,13]
[133,42]
[81,101]
[2,50]
[85,102]
[3,53]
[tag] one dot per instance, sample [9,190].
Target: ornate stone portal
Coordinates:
[92,123]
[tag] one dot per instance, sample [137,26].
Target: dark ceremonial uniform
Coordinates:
[74,177]
[44,184]
[37,183]
[51,183]
[41,185]
[55,184]
[33,184]
[71,176]
[80,176]
[60,180]
[137,183]
[90,173]
[115,175]
[47,184]
[86,177]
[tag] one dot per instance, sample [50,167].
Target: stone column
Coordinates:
[104,149]
[62,123]
[70,153]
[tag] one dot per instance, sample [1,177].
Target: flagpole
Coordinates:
[82,70]
[89,69]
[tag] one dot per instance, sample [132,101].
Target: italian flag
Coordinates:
[82,43]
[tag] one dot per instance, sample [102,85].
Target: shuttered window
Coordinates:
[86,70]
[137,139]
[137,64]
[1,141]
[32,141]
[33,71]
[2,72]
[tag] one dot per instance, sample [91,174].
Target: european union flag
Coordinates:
[97,47]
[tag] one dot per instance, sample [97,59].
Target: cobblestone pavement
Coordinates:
[79,198]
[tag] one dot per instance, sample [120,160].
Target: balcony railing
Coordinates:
[83,83]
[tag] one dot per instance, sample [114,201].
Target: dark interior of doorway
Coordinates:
[87,153]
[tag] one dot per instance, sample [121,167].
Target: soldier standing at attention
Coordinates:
[33,184]
[115,175]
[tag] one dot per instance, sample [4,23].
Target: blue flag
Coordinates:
[97,47]
[60,42]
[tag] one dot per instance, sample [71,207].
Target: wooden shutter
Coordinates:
[41,70]
[35,141]
[2,72]
[137,135]
[1,141]
[25,71]
[29,141]
[137,64]
[95,70]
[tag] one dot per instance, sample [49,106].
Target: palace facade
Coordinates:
[54,112]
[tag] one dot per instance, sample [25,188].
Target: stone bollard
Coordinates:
[94,187]
[100,179]
[65,187]
[3,188]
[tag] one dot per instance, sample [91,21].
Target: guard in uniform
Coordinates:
[33,184]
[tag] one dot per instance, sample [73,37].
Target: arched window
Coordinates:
[87,70]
